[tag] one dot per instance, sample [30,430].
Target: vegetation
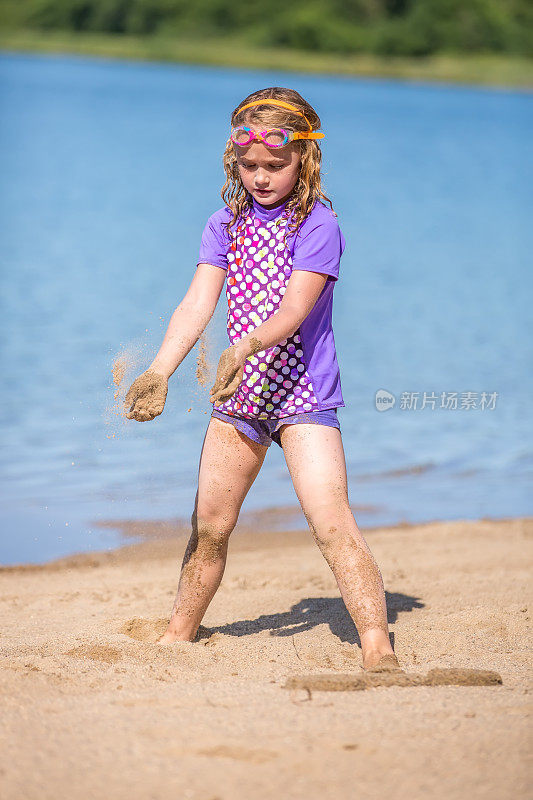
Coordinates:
[382,27]
[472,40]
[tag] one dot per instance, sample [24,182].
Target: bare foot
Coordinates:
[169,637]
[386,663]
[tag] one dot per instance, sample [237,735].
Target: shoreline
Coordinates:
[93,707]
[265,528]
[479,71]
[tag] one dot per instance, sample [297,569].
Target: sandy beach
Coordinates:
[93,708]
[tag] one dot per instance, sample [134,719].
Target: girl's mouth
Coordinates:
[262,192]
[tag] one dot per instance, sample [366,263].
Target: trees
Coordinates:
[386,27]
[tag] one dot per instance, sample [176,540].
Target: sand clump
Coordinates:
[386,664]
[146,396]
[143,629]
[350,682]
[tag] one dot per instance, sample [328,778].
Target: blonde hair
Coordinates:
[308,188]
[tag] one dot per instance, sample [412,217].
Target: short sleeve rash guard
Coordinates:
[317,246]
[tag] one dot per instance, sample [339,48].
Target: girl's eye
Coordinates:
[270,166]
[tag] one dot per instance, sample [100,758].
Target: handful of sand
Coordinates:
[146,396]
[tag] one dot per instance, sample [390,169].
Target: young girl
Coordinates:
[279,247]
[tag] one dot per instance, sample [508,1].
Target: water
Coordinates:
[109,172]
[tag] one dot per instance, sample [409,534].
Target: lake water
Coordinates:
[109,172]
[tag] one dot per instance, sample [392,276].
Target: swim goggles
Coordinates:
[242,135]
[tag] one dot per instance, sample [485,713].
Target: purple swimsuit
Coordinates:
[300,375]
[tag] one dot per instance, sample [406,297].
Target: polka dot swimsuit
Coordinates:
[276,382]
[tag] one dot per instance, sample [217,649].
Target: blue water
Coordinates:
[109,171]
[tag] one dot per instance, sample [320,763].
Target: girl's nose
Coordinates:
[261,178]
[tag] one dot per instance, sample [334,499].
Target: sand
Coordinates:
[131,361]
[269,700]
[137,393]
[146,396]
[203,367]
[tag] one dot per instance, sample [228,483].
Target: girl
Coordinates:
[279,247]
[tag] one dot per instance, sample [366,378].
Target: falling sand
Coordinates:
[119,370]
[203,368]
[123,364]
[131,361]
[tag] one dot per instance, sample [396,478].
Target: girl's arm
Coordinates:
[303,290]
[147,395]
[190,319]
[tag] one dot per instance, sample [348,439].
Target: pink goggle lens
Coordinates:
[274,137]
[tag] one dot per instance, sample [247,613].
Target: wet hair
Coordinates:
[308,187]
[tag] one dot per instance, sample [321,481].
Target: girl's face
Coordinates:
[267,173]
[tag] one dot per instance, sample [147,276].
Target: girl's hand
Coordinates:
[230,373]
[146,396]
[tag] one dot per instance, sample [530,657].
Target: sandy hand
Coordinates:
[230,373]
[146,396]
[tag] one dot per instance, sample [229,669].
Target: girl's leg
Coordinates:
[315,458]
[229,464]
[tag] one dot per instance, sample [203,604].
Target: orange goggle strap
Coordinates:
[272,102]
[308,135]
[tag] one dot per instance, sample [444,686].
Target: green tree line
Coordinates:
[381,27]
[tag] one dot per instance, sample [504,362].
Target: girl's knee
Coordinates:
[211,528]
[329,522]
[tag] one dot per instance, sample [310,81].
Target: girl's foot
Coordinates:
[170,636]
[384,663]
[376,647]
